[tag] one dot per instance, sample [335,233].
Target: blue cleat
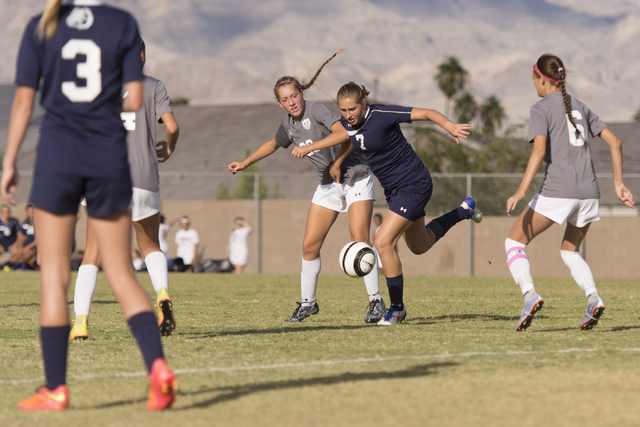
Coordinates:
[393,317]
[531,307]
[470,205]
[594,311]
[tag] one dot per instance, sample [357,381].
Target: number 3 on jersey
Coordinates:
[88,70]
[579,141]
[360,139]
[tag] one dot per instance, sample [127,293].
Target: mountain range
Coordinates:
[233,51]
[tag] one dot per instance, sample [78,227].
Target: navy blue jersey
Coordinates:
[94,51]
[27,231]
[387,151]
[9,232]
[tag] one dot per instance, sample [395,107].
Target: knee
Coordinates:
[360,236]
[310,246]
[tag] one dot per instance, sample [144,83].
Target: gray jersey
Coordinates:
[315,125]
[570,173]
[141,135]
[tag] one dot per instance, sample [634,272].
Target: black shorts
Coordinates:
[61,194]
[409,200]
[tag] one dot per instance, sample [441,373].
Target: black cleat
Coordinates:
[302,312]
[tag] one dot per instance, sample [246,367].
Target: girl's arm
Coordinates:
[247,226]
[344,151]
[615,145]
[537,156]
[455,129]
[164,149]
[263,151]
[20,116]
[133,100]
[338,136]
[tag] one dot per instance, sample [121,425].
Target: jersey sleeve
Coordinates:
[322,114]
[596,125]
[537,123]
[163,103]
[392,114]
[282,137]
[130,44]
[29,68]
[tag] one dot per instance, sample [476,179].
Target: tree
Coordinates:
[636,118]
[491,115]
[223,192]
[244,190]
[451,79]
[465,108]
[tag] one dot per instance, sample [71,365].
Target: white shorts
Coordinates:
[145,204]
[578,212]
[239,259]
[338,197]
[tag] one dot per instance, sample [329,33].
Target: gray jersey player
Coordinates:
[307,122]
[144,153]
[560,128]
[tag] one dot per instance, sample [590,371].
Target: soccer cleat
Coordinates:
[162,386]
[594,311]
[375,311]
[531,307]
[393,317]
[470,205]
[303,311]
[166,321]
[80,329]
[47,400]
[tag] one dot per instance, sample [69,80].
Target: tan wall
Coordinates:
[611,246]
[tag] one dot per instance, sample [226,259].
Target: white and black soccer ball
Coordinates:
[357,259]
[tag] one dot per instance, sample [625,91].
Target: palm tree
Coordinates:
[451,79]
[465,107]
[491,115]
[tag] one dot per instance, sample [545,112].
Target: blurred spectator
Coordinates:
[238,246]
[163,233]
[138,262]
[187,241]
[26,255]
[9,229]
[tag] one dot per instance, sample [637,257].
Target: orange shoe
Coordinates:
[47,400]
[162,386]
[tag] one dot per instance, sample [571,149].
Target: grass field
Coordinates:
[456,361]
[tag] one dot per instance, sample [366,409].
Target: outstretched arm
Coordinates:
[537,155]
[263,151]
[456,130]
[344,151]
[164,149]
[338,136]
[615,145]
[20,116]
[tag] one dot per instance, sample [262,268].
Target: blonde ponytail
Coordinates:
[49,21]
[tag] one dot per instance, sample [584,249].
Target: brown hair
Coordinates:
[552,68]
[352,91]
[49,21]
[288,80]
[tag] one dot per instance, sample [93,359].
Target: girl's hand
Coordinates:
[8,184]
[513,201]
[300,151]
[162,151]
[623,194]
[458,130]
[236,167]
[335,173]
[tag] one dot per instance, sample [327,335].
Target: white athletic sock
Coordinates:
[372,283]
[580,271]
[85,288]
[309,281]
[519,265]
[158,270]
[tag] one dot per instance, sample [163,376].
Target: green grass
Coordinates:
[456,361]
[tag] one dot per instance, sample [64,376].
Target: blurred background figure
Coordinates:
[187,241]
[238,246]
[164,233]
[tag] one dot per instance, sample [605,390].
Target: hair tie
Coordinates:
[275,90]
[560,69]
[535,67]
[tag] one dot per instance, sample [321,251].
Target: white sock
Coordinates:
[519,265]
[580,271]
[309,281]
[372,283]
[85,287]
[158,270]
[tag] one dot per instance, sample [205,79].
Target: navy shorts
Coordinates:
[61,194]
[409,200]
[5,242]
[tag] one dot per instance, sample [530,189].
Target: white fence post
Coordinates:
[256,223]
[470,249]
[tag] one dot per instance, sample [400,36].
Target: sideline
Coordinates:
[325,363]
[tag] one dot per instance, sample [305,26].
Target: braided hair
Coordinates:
[290,80]
[551,67]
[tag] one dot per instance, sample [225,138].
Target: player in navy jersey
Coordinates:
[9,230]
[306,122]
[560,127]
[84,53]
[144,154]
[374,131]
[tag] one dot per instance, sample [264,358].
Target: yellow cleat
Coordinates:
[79,330]
[166,322]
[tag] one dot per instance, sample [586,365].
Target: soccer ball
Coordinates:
[357,259]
